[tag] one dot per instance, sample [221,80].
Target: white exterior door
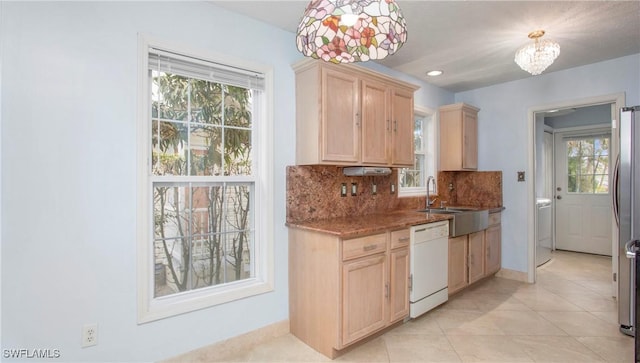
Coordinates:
[582,199]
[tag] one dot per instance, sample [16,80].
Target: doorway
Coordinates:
[582,194]
[536,190]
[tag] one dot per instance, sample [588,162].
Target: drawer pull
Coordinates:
[403,239]
[369,247]
[421,230]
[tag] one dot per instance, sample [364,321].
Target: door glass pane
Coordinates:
[588,165]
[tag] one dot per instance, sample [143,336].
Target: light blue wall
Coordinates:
[503,131]
[69,97]
[428,95]
[583,116]
[68,127]
[68,158]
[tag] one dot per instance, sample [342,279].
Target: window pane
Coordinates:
[168,142]
[171,211]
[424,157]
[205,146]
[170,96]
[237,204]
[206,102]
[418,134]
[237,151]
[168,259]
[207,261]
[588,165]
[237,107]
[203,235]
[601,183]
[572,186]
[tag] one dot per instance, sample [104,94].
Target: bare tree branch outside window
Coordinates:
[202,229]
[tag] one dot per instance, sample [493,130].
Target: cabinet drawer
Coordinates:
[400,238]
[364,246]
[494,218]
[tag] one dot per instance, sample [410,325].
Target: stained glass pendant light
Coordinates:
[346,31]
[535,58]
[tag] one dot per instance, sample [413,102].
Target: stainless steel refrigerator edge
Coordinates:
[626,198]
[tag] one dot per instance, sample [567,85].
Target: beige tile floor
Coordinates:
[567,316]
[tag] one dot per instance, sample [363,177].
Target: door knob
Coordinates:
[559,197]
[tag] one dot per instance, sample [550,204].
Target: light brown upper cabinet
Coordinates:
[402,125]
[347,115]
[458,137]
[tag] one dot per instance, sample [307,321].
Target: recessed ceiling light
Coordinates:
[434,73]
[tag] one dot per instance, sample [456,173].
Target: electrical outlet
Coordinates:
[354,189]
[89,335]
[343,190]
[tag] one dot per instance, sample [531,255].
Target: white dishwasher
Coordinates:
[429,267]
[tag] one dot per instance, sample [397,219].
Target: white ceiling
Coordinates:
[474,42]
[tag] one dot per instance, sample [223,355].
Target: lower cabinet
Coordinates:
[458,255]
[474,256]
[399,284]
[344,290]
[364,284]
[493,241]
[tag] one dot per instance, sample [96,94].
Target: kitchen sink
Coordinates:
[439,211]
[465,220]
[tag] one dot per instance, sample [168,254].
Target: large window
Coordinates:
[412,180]
[203,239]
[588,165]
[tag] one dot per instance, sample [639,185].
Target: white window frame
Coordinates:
[429,149]
[150,308]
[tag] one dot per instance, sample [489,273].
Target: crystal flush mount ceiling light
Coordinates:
[535,58]
[346,31]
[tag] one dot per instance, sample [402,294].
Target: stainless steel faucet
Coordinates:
[429,201]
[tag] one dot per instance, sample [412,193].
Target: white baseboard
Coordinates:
[233,346]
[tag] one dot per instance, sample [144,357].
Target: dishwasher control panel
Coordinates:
[430,231]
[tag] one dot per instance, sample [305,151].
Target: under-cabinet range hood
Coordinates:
[365,170]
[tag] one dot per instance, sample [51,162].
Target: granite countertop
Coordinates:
[352,226]
[367,224]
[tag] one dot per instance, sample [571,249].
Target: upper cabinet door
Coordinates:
[458,137]
[346,115]
[402,125]
[340,117]
[469,139]
[375,123]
